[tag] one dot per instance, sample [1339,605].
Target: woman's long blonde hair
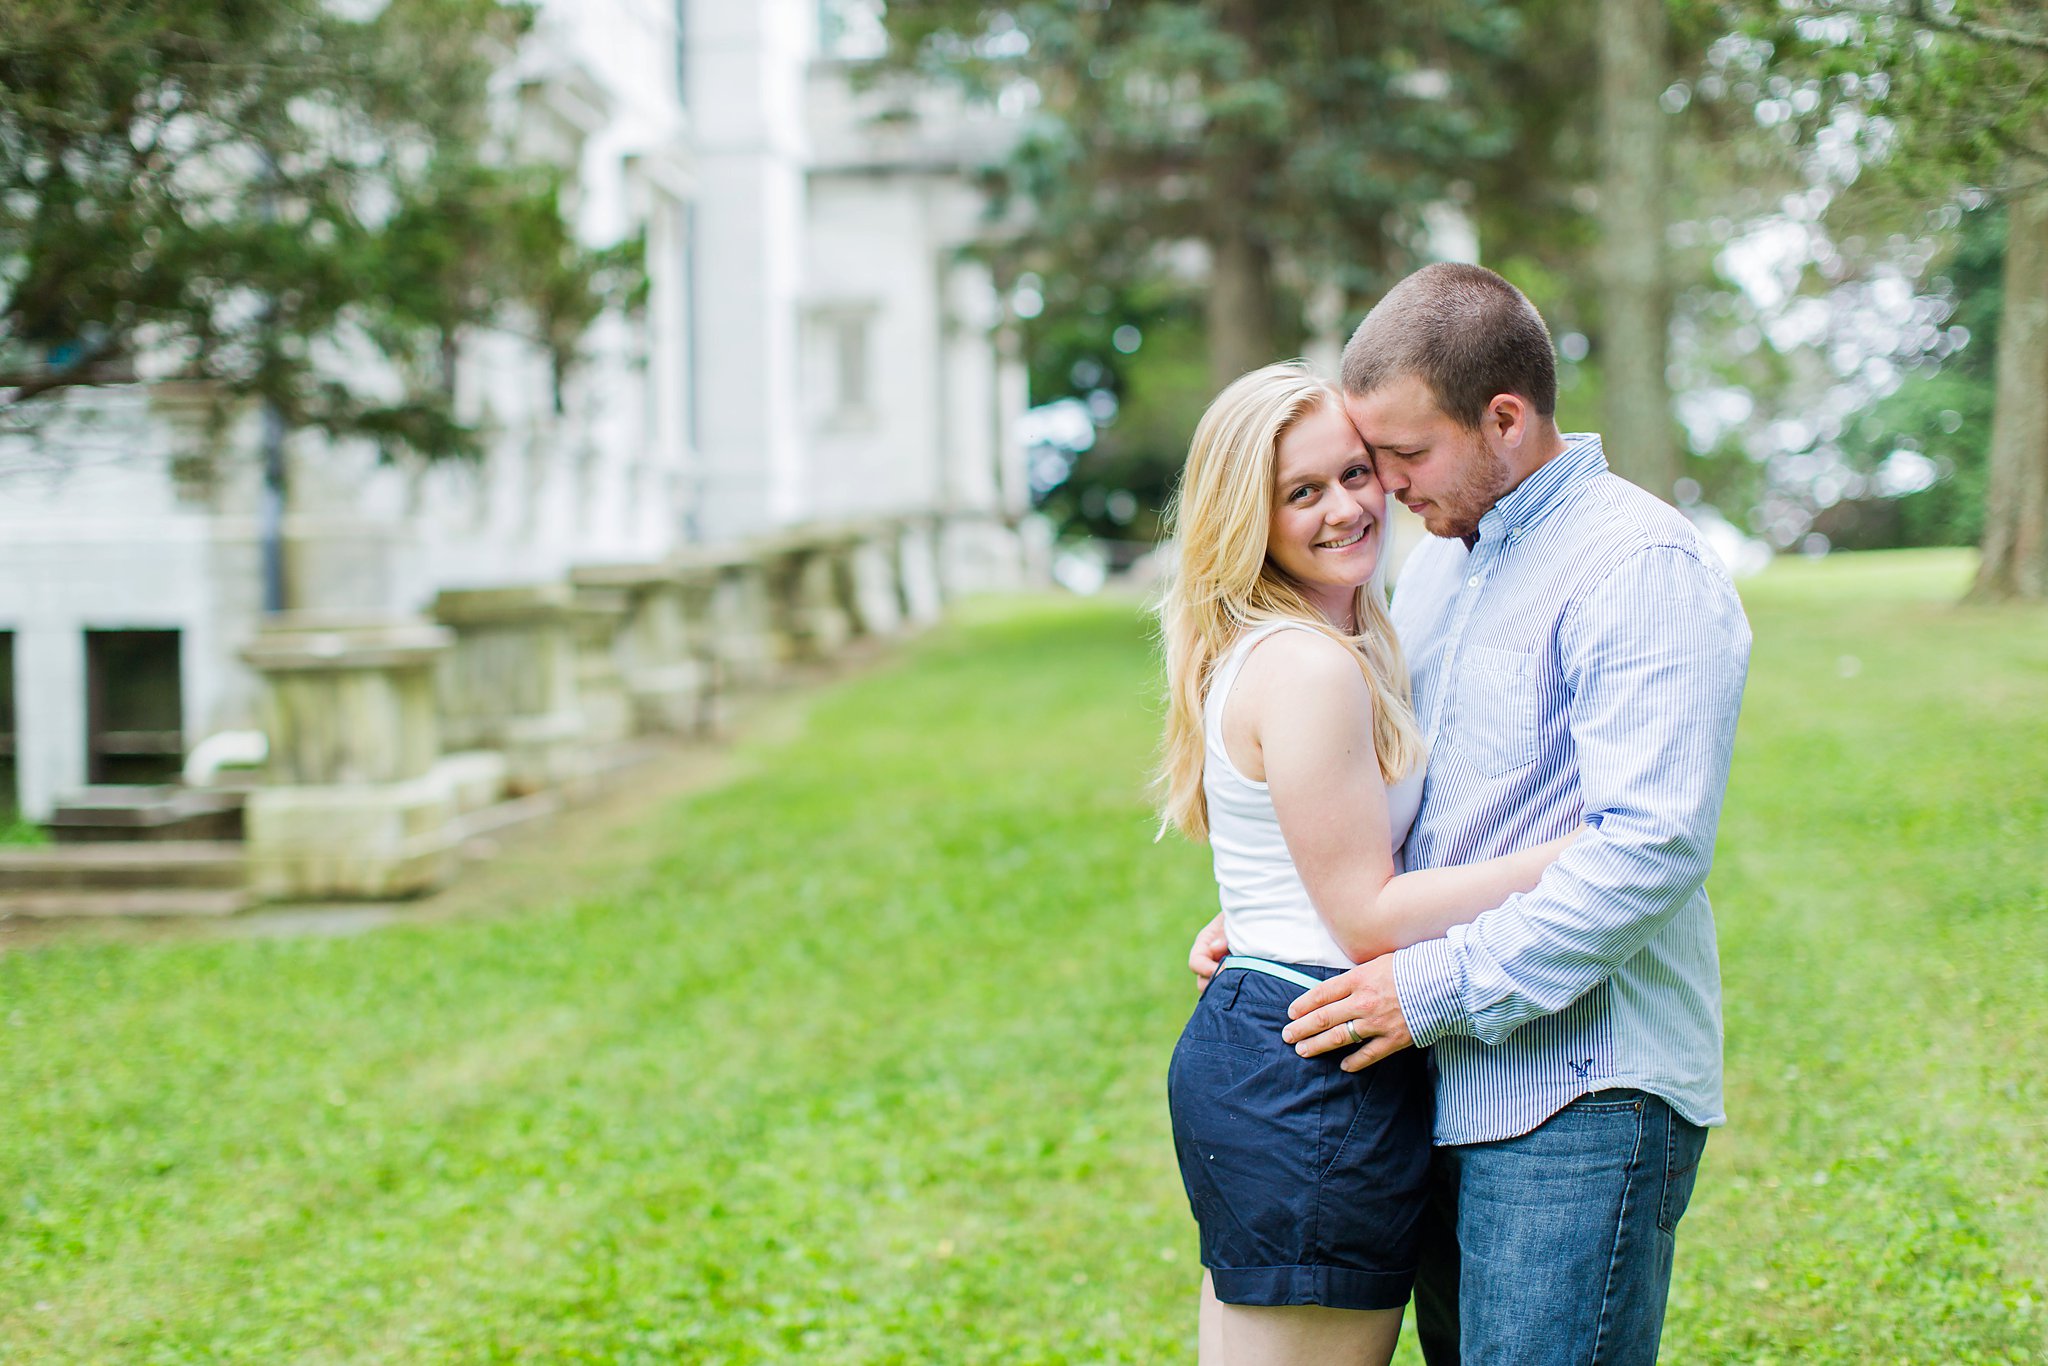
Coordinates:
[1223,583]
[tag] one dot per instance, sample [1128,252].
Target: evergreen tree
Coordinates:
[260,193]
[1301,145]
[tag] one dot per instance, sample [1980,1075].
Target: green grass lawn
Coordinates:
[860,1057]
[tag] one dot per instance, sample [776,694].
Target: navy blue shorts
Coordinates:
[1307,1181]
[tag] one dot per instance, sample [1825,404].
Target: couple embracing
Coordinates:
[1477,826]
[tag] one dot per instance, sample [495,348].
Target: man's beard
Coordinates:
[1487,477]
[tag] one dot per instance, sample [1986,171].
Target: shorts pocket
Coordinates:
[1228,1061]
[1344,1106]
[1496,727]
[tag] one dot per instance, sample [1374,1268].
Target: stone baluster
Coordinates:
[808,603]
[726,592]
[355,802]
[509,684]
[876,587]
[598,619]
[917,570]
[669,674]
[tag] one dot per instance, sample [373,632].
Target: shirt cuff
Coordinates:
[1428,980]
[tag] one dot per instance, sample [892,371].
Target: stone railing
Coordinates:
[387,736]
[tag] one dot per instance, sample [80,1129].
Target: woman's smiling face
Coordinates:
[1329,511]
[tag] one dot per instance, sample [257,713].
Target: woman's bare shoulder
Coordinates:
[1302,664]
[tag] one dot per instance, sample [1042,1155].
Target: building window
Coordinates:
[135,728]
[850,354]
[843,348]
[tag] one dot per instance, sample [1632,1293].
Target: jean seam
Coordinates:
[1667,1223]
[1614,1252]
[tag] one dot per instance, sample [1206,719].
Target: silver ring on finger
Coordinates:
[1351,1031]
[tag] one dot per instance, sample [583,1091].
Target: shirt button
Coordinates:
[1472,582]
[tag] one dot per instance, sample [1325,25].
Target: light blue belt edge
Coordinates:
[1280,970]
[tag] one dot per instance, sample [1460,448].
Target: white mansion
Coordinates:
[816,349]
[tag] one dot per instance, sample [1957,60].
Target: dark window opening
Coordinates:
[9,792]
[135,730]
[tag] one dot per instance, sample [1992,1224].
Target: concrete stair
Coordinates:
[87,905]
[168,813]
[156,877]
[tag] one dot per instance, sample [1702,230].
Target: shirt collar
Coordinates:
[1581,460]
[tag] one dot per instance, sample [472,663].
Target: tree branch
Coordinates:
[97,366]
[1921,12]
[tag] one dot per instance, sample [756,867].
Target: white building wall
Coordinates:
[773,203]
[105,541]
[873,440]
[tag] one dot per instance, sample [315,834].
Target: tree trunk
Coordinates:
[1239,308]
[2015,546]
[1635,304]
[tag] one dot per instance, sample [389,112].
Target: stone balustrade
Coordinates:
[383,733]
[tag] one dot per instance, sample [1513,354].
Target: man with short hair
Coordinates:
[1578,656]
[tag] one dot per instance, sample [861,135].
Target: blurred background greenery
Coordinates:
[1770,237]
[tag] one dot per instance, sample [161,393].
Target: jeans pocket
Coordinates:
[1684,1145]
[1496,726]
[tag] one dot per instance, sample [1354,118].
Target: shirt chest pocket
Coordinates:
[1496,719]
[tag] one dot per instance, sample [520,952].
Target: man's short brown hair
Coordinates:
[1463,331]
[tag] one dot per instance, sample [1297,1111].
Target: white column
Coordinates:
[745,97]
[49,721]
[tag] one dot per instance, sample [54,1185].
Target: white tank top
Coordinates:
[1266,909]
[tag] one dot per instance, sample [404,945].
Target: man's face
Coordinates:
[1445,474]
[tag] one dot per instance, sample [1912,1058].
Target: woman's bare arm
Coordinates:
[1308,714]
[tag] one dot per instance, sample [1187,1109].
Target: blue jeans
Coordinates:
[1555,1247]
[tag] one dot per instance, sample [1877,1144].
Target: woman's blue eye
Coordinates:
[1296,495]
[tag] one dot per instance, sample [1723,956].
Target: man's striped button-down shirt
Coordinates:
[1581,661]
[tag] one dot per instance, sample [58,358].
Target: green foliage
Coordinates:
[1117,489]
[1950,95]
[1149,111]
[1315,135]
[1947,104]
[1944,407]
[253,193]
[860,1058]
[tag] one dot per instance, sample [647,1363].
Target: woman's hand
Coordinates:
[1206,955]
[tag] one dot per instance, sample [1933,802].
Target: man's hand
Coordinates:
[1365,999]
[1207,953]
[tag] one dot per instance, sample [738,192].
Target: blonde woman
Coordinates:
[1291,750]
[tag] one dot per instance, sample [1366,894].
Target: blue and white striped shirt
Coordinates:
[1582,660]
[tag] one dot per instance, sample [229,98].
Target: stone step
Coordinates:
[107,905]
[162,813]
[147,866]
